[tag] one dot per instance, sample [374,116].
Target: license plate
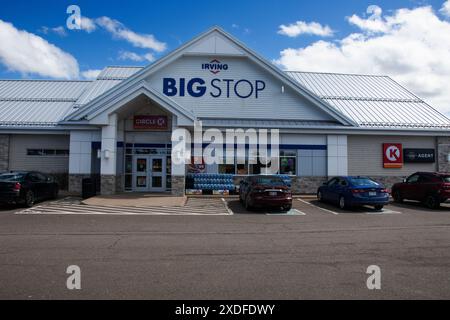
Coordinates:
[372,194]
[273,193]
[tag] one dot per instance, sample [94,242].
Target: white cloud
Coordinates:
[28,53]
[375,23]
[88,24]
[91,74]
[118,30]
[128,55]
[60,30]
[300,27]
[445,10]
[411,45]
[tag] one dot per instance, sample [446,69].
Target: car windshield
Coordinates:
[11,177]
[358,182]
[269,181]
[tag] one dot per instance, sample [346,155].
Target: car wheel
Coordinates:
[287,208]
[29,199]
[342,203]
[379,207]
[397,196]
[320,196]
[432,202]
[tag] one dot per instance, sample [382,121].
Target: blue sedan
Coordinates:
[349,192]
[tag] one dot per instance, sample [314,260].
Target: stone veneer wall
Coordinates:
[443,150]
[120,187]
[300,185]
[75,182]
[61,179]
[307,185]
[4,152]
[388,182]
[178,185]
[108,184]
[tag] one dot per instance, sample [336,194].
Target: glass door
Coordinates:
[141,173]
[158,173]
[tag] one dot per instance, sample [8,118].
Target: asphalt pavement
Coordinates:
[320,252]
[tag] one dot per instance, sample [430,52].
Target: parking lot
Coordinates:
[316,251]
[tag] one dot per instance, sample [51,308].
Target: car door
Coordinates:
[422,187]
[326,195]
[44,185]
[409,191]
[35,185]
[333,190]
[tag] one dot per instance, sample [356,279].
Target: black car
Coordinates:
[26,187]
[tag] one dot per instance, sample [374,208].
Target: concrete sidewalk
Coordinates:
[137,200]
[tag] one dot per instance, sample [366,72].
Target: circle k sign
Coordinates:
[392,155]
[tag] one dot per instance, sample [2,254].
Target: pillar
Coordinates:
[108,163]
[337,155]
[79,159]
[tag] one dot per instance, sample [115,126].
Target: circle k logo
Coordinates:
[393,153]
[215,66]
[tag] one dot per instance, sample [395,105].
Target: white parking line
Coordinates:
[225,203]
[293,212]
[313,205]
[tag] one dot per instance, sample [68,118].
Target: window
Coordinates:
[48,152]
[332,182]
[288,165]
[413,179]
[363,182]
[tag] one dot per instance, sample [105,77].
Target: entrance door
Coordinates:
[158,174]
[149,173]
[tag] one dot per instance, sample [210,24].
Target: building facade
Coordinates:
[119,127]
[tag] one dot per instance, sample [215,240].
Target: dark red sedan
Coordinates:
[428,187]
[265,191]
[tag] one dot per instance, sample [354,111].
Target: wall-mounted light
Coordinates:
[99,154]
[282,89]
[106,154]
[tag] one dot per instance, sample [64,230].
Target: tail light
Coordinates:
[446,186]
[384,191]
[17,186]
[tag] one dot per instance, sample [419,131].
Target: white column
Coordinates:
[109,147]
[79,158]
[178,170]
[337,155]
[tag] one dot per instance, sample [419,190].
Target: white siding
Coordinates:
[365,155]
[49,164]
[271,103]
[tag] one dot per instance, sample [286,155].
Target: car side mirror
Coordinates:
[325,184]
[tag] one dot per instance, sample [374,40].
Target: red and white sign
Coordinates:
[151,122]
[392,155]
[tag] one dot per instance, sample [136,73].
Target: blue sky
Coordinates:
[174,22]
[256,23]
